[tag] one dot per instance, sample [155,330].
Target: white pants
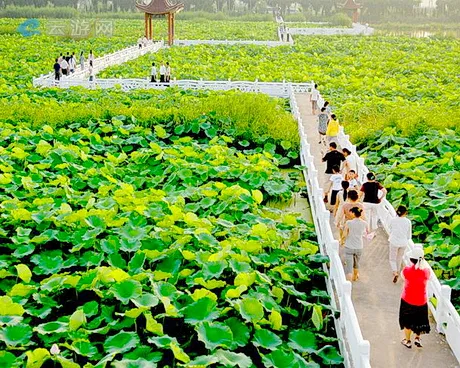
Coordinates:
[371,215]
[396,256]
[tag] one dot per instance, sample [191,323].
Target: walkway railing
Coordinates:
[229,42]
[355,350]
[357,29]
[100,63]
[276,89]
[443,311]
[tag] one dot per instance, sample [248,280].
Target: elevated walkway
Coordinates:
[375,298]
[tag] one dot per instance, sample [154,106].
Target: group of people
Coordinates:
[67,64]
[142,42]
[165,73]
[355,207]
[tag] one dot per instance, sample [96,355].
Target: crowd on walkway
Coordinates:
[66,65]
[165,73]
[355,210]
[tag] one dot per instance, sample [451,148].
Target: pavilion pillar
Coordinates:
[146,32]
[173,16]
[169,30]
[150,27]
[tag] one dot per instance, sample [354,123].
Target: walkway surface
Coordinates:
[375,297]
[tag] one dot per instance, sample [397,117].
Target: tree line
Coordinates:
[373,10]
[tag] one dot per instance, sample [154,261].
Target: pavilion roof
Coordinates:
[160,7]
[350,4]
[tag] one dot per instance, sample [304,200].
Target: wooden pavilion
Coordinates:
[160,8]
[351,6]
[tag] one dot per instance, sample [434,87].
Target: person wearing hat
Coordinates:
[413,311]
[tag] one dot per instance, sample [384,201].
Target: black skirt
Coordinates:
[414,317]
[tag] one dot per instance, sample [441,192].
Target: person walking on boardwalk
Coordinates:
[370,191]
[323,120]
[335,184]
[153,74]
[82,61]
[332,158]
[162,72]
[327,107]
[314,97]
[168,73]
[57,70]
[344,214]
[91,57]
[350,162]
[400,235]
[91,71]
[333,128]
[354,232]
[342,196]
[413,311]
[64,66]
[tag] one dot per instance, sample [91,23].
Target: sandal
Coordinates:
[418,342]
[406,343]
[395,279]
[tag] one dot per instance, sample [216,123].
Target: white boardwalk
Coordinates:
[375,297]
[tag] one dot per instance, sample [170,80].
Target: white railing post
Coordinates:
[441,308]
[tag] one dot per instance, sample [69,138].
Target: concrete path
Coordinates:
[375,297]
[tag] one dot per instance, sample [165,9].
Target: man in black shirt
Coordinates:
[332,158]
[57,70]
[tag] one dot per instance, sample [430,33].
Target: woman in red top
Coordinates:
[413,312]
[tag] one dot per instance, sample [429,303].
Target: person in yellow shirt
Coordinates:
[332,130]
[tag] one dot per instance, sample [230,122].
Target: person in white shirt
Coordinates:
[153,74]
[72,63]
[400,235]
[335,184]
[352,177]
[168,73]
[64,66]
[350,162]
[162,72]
[82,61]
[354,232]
[314,96]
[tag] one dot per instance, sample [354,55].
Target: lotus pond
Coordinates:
[134,244]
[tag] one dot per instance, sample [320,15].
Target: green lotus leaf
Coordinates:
[91,308]
[126,290]
[251,309]
[130,363]
[7,359]
[239,330]
[279,358]
[214,335]
[213,269]
[9,308]
[161,341]
[110,244]
[266,339]
[231,359]
[121,342]
[84,348]
[19,334]
[146,300]
[204,309]
[330,355]
[303,341]
[51,328]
